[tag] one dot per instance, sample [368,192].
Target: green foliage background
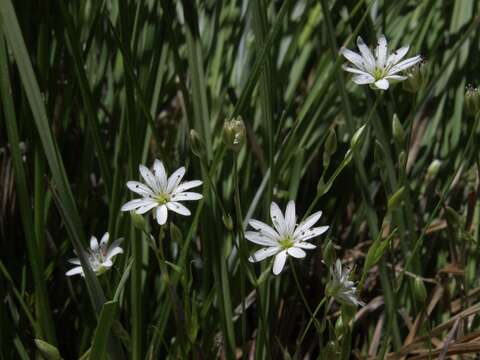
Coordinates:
[91,89]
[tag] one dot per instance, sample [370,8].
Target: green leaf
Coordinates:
[100,338]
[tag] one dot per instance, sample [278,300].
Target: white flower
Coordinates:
[379,70]
[285,238]
[100,256]
[161,194]
[340,288]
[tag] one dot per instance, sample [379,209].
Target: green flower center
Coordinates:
[287,242]
[378,73]
[163,198]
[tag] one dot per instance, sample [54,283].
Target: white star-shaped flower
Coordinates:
[341,288]
[285,238]
[100,256]
[381,69]
[161,193]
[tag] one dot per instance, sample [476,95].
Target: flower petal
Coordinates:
[139,188]
[178,208]
[290,217]
[264,253]
[161,214]
[397,56]
[381,51]
[112,252]
[107,263]
[353,57]
[395,78]
[277,218]
[104,243]
[296,252]
[143,209]
[74,261]
[94,244]
[308,222]
[135,203]
[187,185]
[160,174]
[264,228]
[363,79]
[279,262]
[354,70]
[260,239]
[369,59]
[311,233]
[75,271]
[175,179]
[381,84]
[186,196]
[405,64]
[149,178]
[305,245]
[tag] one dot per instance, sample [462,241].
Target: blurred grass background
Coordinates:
[91,89]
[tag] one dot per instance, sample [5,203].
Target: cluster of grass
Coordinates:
[91,89]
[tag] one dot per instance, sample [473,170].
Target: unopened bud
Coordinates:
[472,101]
[48,351]
[195,143]
[433,169]
[328,253]
[331,142]
[138,221]
[234,133]
[339,327]
[228,222]
[419,289]
[397,130]
[357,137]
[348,313]
[416,77]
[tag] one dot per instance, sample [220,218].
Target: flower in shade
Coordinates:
[340,287]
[100,256]
[285,237]
[160,193]
[381,69]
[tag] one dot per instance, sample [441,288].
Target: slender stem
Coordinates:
[241,245]
[311,320]
[299,288]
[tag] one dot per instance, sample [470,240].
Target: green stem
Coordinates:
[300,291]
[241,246]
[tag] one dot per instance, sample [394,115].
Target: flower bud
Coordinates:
[339,327]
[357,137]
[472,101]
[331,142]
[419,289]
[195,143]
[348,313]
[228,222]
[397,130]
[416,77]
[328,253]
[138,221]
[234,133]
[433,169]
[48,351]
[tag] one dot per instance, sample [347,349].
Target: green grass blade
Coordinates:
[44,314]
[105,321]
